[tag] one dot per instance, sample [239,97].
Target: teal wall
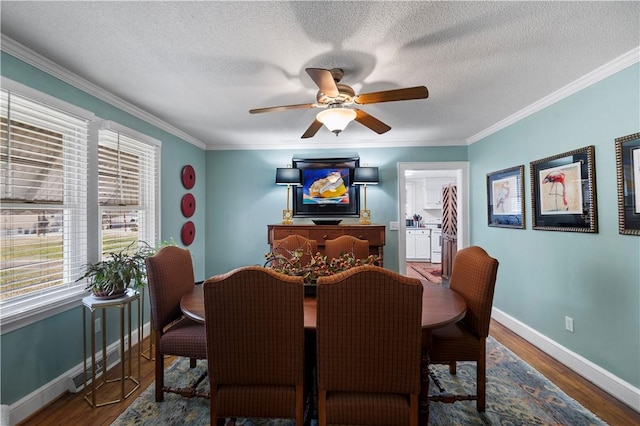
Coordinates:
[545,275]
[242,198]
[36,354]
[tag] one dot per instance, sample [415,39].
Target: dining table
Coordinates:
[441,306]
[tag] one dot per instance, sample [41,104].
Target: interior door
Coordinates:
[461,170]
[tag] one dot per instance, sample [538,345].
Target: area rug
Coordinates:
[431,273]
[516,395]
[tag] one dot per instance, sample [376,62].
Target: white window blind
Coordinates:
[43,175]
[127,187]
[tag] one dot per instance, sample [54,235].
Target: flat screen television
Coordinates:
[327,189]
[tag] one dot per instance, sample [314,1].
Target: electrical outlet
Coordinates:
[97,326]
[393,226]
[568,323]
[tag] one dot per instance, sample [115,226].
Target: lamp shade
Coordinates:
[365,176]
[288,176]
[336,119]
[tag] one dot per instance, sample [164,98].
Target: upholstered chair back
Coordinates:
[170,276]
[346,244]
[369,337]
[255,341]
[474,276]
[287,246]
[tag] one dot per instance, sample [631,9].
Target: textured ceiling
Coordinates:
[200,66]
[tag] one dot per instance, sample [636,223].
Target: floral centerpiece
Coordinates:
[317,266]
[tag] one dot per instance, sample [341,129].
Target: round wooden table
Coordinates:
[440,306]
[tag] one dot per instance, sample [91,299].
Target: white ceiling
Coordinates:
[200,66]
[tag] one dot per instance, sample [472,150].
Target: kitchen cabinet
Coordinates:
[418,244]
[433,199]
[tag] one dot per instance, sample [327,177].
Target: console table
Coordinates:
[375,234]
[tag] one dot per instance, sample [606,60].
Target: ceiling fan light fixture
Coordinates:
[336,118]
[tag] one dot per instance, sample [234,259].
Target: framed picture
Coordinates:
[563,192]
[628,171]
[505,200]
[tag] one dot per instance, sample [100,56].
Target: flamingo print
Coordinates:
[555,178]
[502,195]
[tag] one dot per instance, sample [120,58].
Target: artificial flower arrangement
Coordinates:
[317,266]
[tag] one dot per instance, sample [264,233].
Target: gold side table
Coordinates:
[123,303]
[148,353]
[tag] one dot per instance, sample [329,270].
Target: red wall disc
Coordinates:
[188,233]
[188,176]
[188,205]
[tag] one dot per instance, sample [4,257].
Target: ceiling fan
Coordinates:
[335,98]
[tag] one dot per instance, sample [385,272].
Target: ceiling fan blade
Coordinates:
[409,93]
[282,108]
[324,80]
[312,130]
[371,122]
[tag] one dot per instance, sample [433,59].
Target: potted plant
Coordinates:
[110,278]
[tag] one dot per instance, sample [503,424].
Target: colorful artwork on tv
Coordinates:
[325,186]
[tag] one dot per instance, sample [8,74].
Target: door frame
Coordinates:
[461,169]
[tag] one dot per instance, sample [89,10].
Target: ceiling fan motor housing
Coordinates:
[345,97]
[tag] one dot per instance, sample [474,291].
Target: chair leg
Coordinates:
[414,399]
[481,369]
[322,408]
[192,362]
[159,371]
[452,367]
[299,405]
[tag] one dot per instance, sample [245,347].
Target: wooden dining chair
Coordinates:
[255,338]
[294,245]
[346,244]
[369,347]
[474,277]
[169,277]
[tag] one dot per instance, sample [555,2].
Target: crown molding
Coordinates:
[38,61]
[606,70]
[335,145]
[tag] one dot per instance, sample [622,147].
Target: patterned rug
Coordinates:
[431,273]
[516,395]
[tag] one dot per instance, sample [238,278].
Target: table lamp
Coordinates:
[287,176]
[365,176]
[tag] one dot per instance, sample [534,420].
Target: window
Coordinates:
[43,177]
[72,188]
[126,190]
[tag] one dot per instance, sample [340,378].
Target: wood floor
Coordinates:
[73,409]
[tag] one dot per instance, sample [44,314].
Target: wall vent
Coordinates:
[76,382]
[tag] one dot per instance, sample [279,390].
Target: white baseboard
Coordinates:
[51,391]
[613,385]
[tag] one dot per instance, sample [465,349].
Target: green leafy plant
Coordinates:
[121,270]
[318,266]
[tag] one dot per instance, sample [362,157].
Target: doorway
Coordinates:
[460,170]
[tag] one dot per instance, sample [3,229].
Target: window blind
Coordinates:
[43,175]
[127,187]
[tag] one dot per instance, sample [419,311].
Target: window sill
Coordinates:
[17,320]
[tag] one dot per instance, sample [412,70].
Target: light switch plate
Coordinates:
[393,226]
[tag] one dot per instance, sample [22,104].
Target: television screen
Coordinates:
[326,188]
